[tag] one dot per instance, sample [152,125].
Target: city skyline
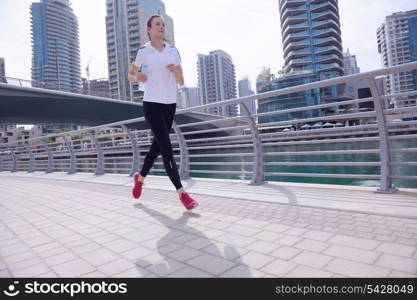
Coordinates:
[230,33]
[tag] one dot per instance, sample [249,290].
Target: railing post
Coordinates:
[31,167]
[100,155]
[1,162]
[386,185]
[135,151]
[50,166]
[185,158]
[72,169]
[258,172]
[14,162]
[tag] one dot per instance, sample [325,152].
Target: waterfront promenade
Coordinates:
[59,221]
[82,225]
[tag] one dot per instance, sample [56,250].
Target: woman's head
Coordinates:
[156,27]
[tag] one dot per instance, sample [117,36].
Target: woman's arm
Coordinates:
[135,76]
[177,70]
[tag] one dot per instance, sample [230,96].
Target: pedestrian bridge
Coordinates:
[66,208]
[21,103]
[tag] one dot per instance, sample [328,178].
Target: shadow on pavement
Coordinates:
[168,266]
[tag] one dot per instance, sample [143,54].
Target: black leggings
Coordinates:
[160,117]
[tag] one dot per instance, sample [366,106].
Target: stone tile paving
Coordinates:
[48,229]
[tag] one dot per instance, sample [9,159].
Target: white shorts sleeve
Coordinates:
[139,60]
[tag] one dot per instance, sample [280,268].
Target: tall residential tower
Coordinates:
[311,36]
[397,44]
[350,65]
[312,47]
[217,81]
[55,45]
[245,89]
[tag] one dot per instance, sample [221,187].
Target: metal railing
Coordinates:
[60,87]
[372,138]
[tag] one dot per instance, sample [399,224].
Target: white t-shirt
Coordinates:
[161,86]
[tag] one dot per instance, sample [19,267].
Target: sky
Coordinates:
[246,29]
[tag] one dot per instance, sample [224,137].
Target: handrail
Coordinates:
[377,125]
[284,91]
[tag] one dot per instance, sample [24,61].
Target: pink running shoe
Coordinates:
[137,188]
[188,202]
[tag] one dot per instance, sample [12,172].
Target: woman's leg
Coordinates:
[169,114]
[150,158]
[160,117]
[153,150]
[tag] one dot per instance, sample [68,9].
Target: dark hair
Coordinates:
[149,25]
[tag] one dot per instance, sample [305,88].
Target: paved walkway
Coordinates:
[71,228]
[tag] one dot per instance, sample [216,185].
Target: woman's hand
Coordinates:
[141,77]
[135,76]
[177,71]
[172,68]
[138,77]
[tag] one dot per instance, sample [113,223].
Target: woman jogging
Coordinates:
[158,65]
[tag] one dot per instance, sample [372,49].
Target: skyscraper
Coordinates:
[397,44]
[55,45]
[126,32]
[293,100]
[2,70]
[245,89]
[191,96]
[265,75]
[217,81]
[311,36]
[350,64]
[312,47]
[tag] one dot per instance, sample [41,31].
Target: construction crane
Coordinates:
[87,69]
